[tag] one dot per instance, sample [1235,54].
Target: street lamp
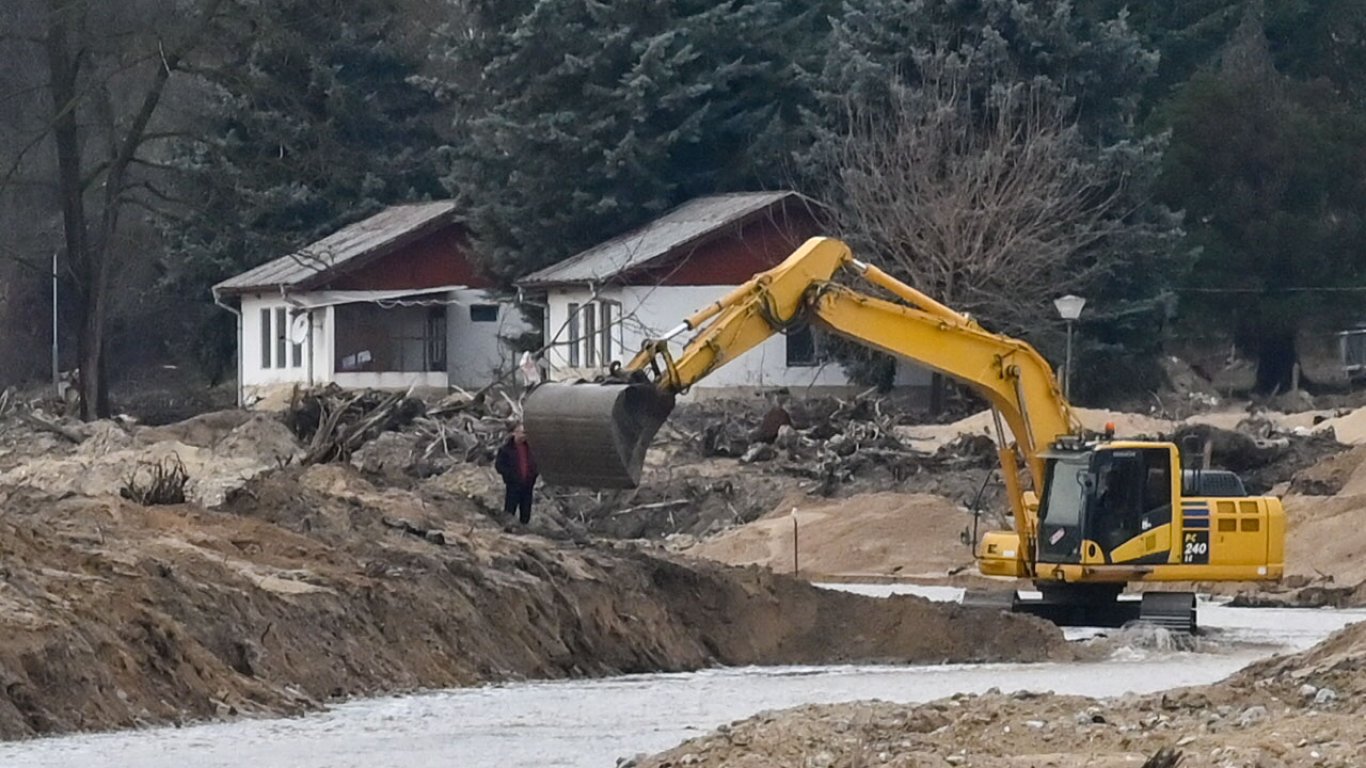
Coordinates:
[1069,307]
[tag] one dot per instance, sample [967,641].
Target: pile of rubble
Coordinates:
[394,432]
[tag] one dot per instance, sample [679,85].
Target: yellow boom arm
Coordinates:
[1009,373]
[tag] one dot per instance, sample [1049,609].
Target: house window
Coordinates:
[483,313]
[267,339]
[802,350]
[573,335]
[281,337]
[436,338]
[590,335]
[277,351]
[296,359]
[611,316]
[594,333]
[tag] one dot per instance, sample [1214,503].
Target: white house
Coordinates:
[599,305]
[390,302]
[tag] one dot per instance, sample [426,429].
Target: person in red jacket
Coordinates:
[518,469]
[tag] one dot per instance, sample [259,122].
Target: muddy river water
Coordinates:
[593,722]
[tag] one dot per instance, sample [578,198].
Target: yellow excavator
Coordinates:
[1099,512]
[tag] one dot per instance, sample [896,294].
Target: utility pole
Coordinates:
[56,366]
[1069,307]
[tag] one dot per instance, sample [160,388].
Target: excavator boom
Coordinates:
[596,434]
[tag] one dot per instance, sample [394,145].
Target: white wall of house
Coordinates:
[640,312]
[477,326]
[269,358]
[271,362]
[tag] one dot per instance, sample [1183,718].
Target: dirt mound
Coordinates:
[220,452]
[1332,475]
[304,589]
[865,535]
[1349,428]
[1324,546]
[1336,664]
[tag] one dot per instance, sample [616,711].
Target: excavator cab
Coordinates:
[1108,504]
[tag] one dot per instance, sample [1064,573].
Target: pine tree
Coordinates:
[1272,173]
[579,119]
[319,120]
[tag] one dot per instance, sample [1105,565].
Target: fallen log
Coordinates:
[43,425]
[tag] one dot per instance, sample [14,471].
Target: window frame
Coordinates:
[573,321]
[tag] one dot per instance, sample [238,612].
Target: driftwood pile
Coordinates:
[334,424]
[833,448]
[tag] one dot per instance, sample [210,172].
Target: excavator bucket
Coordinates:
[593,435]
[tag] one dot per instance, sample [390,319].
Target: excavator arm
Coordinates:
[596,434]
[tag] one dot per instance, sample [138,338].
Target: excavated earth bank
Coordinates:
[312,584]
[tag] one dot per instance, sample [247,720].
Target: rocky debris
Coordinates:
[1247,448]
[1188,389]
[1297,711]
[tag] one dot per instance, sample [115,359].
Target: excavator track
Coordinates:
[1174,611]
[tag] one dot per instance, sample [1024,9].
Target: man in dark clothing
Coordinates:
[515,463]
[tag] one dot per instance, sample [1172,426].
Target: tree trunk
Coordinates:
[1276,358]
[63,67]
[90,345]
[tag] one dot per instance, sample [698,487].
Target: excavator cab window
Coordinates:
[1067,486]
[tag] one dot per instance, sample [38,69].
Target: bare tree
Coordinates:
[982,197]
[107,70]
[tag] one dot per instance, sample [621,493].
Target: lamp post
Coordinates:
[1069,307]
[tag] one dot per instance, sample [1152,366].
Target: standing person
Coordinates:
[518,468]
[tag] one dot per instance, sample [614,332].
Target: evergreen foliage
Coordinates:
[1272,173]
[317,119]
[1092,71]
[578,119]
